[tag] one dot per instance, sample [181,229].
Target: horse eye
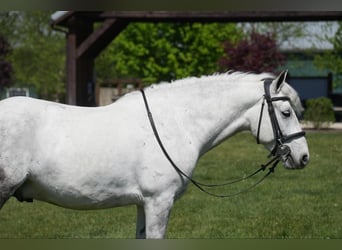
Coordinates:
[286,113]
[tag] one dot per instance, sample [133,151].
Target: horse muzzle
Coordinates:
[283,152]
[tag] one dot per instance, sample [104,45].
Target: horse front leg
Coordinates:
[157,212]
[141,223]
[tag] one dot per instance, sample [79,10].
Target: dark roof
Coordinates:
[61,17]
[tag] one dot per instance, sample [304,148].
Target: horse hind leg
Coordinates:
[5,192]
[4,196]
[8,187]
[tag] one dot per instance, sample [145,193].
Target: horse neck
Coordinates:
[210,112]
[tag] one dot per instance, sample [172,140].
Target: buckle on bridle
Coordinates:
[283,151]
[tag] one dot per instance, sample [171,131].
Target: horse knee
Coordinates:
[157,214]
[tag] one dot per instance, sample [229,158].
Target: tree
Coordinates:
[332,60]
[5,67]
[258,53]
[38,52]
[165,51]
[287,34]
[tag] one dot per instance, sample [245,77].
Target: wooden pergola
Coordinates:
[84,43]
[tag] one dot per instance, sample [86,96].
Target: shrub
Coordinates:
[320,112]
[258,53]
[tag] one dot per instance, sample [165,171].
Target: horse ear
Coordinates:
[279,81]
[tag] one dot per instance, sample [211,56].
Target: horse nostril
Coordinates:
[305,160]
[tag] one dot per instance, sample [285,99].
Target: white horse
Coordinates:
[94,158]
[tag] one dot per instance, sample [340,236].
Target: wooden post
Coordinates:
[83,46]
[80,69]
[71,59]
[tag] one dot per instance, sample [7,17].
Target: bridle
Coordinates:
[279,151]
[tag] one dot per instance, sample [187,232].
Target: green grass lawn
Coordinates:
[289,204]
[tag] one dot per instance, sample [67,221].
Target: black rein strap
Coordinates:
[199,185]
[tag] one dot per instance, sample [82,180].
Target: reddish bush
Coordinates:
[258,53]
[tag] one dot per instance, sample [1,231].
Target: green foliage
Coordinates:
[286,33]
[319,111]
[38,52]
[301,204]
[158,52]
[332,60]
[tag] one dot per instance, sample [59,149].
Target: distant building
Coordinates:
[18,91]
[111,90]
[310,81]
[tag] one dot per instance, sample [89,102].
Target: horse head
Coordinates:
[278,128]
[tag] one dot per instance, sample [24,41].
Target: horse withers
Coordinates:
[94,158]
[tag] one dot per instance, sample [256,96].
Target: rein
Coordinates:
[279,151]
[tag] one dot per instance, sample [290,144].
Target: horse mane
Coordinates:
[229,76]
[234,76]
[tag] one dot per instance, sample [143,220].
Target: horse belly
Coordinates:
[84,186]
[79,197]
[85,162]
[87,178]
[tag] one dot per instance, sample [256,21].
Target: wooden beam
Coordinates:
[202,16]
[100,38]
[84,44]
[223,16]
